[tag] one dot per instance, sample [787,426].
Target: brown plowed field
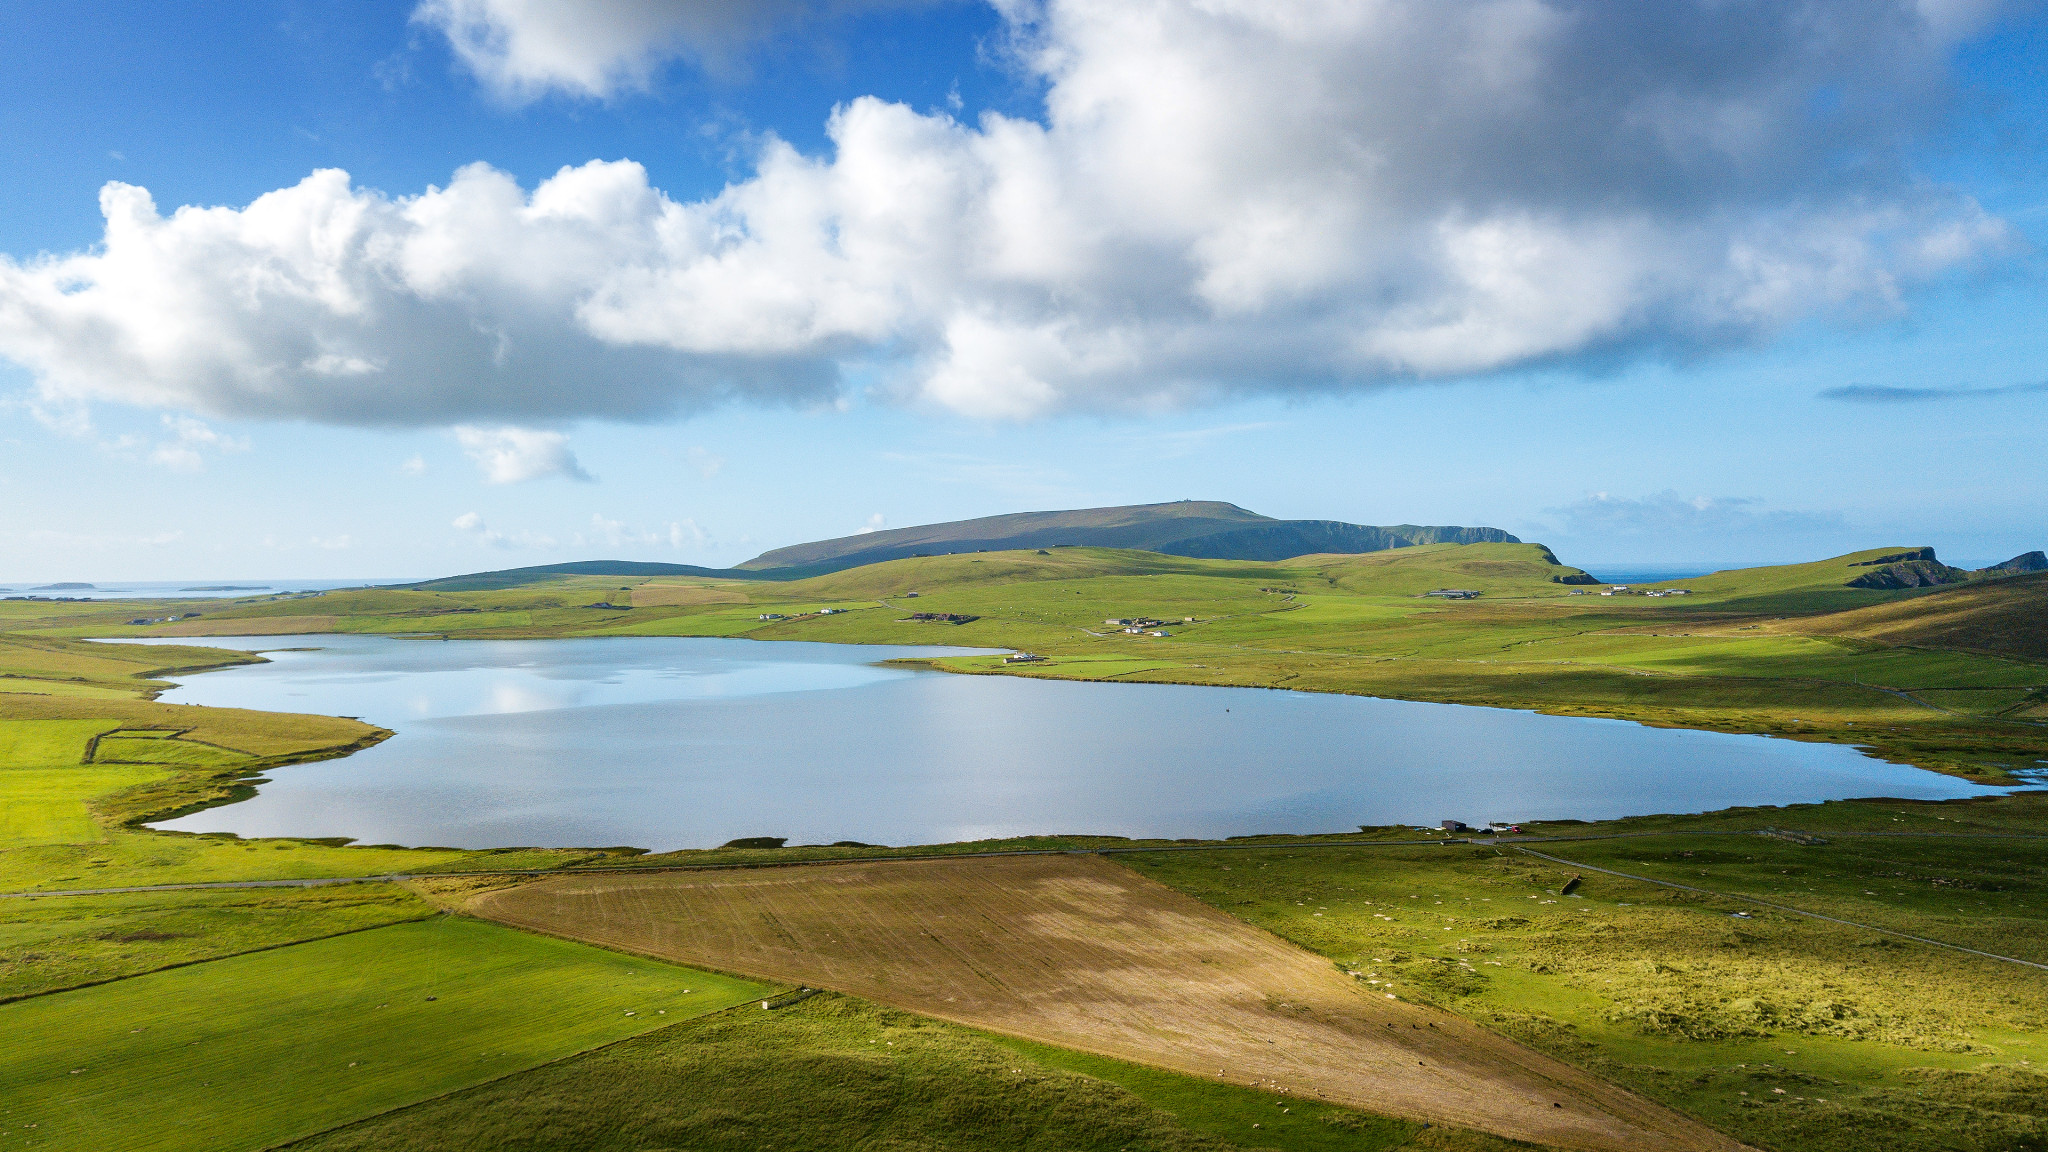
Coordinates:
[1078,952]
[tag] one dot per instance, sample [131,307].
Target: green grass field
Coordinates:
[51,805]
[245,1052]
[65,941]
[833,1073]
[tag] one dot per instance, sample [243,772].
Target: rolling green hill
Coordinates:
[1859,579]
[1205,529]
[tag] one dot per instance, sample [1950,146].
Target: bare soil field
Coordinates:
[1078,952]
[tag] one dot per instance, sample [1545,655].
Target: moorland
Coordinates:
[1821,977]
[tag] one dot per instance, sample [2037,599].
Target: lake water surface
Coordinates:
[666,743]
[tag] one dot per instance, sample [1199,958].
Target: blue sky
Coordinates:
[1042,256]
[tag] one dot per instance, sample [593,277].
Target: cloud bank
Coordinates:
[1221,198]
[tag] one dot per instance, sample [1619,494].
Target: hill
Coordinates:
[1857,580]
[1202,529]
[2008,617]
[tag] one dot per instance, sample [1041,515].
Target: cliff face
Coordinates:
[1911,574]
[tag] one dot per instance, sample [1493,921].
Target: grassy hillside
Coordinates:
[2003,616]
[1131,526]
[1494,570]
[1205,528]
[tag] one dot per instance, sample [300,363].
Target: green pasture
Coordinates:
[1323,611]
[1676,997]
[1791,657]
[42,806]
[248,1051]
[129,857]
[681,622]
[833,1073]
[57,942]
[41,743]
[119,747]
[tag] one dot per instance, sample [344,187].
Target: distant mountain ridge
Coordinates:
[1198,529]
[1201,529]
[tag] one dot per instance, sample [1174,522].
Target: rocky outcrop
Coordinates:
[1916,568]
[1898,557]
[2024,562]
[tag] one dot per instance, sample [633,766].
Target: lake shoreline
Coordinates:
[1252,811]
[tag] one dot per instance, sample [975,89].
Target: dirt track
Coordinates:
[1076,951]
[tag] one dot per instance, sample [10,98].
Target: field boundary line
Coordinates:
[21,996]
[1107,850]
[1780,907]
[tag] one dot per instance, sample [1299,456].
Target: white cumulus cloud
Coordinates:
[1219,197]
[510,455]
